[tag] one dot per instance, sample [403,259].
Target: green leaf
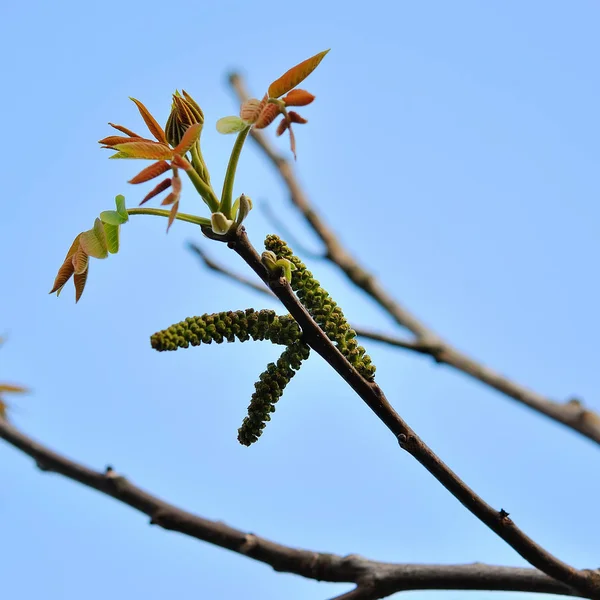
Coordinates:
[112,237]
[231,125]
[111,217]
[120,201]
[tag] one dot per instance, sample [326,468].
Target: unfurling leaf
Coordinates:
[231,125]
[93,242]
[111,217]
[220,223]
[267,116]
[80,261]
[112,237]
[120,202]
[290,79]
[190,137]
[250,109]
[79,279]
[97,242]
[155,129]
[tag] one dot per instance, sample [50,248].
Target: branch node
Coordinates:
[503,515]
[250,542]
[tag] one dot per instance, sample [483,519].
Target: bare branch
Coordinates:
[584,581]
[285,231]
[584,421]
[373,579]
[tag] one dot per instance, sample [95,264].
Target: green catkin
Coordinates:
[268,389]
[323,309]
[228,326]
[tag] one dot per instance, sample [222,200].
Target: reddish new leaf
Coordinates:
[250,109]
[190,137]
[172,215]
[145,149]
[79,279]
[155,129]
[182,163]
[125,130]
[161,187]
[283,125]
[296,118]
[67,269]
[298,98]
[80,261]
[113,140]
[290,79]
[175,194]
[292,141]
[154,170]
[267,116]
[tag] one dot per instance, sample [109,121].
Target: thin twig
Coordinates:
[286,233]
[584,581]
[584,421]
[378,578]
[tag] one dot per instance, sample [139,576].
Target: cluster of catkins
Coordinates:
[323,309]
[244,325]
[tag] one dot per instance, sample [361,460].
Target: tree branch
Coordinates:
[586,582]
[373,579]
[584,421]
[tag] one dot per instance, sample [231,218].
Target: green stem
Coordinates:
[199,164]
[204,190]
[225,206]
[160,212]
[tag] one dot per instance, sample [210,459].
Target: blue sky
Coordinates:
[453,145]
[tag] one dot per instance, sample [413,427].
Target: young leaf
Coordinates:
[112,237]
[93,242]
[161,187]
[146,150]
[155,129]
[298,98]
[120,202]
[150,172]
[113,140]
[250,109]
[80,261]
[67,269]
[111,217]
[290,79]
[231,125]
[79,279]
[125,130]
[190,137]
